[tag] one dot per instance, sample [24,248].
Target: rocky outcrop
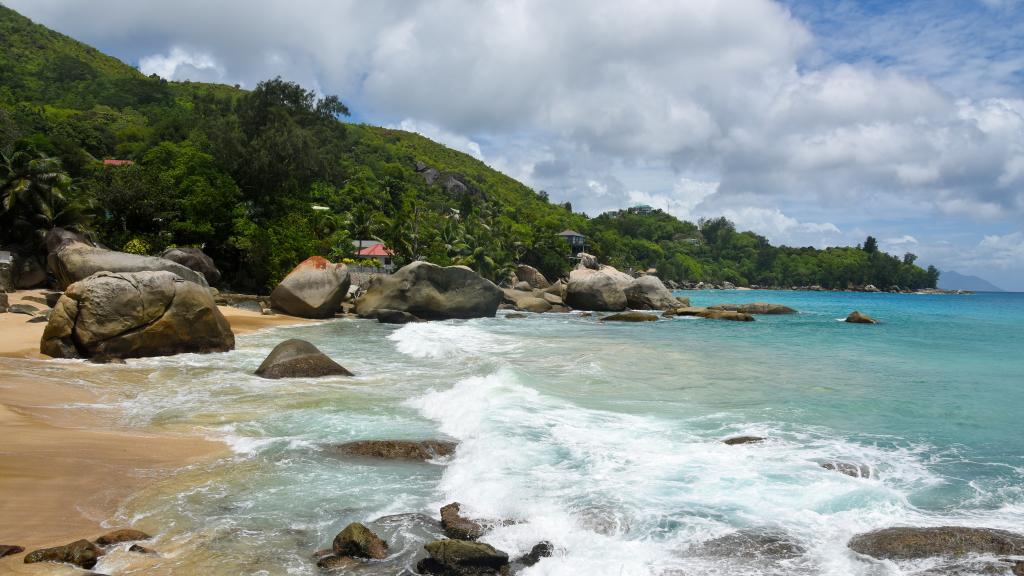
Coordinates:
[296,358]
[630,316]
[135,314]
[597,290]
[81,553]
[433,292]
[196,260]
[72,260]
[458,527]
[532,276]
[460,557]
[313,289]
[120,536]
[856,317]
[648,293]
[527,301]
[737,440]
[755,308]
[395,449]
[916,543]
[359,541]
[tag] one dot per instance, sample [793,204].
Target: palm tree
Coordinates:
[27,175]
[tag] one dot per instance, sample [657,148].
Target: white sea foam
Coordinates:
[448,340]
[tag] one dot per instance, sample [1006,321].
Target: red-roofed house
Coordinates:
[112,162]
[378,252]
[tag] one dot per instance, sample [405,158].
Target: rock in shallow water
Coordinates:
[848,468]
[432,292]
[10,550]
[359,541]
[80,553]
[459,557]
[752,544]
[913,543]
[296,358]
[458,527]
[395,449]
[856,317]
[630,317]
[119,536]
[743,440]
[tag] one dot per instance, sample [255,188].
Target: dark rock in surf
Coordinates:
[359,541]
[914,543]
[752,545]
[140,549]
[736,440]
[80,553]
[462,558]
[296,358]
[395,449]
[10,550]
[119,536]
[755,308]
[386,316]
[848,468]
[630,317]
[458,527]
[540,550]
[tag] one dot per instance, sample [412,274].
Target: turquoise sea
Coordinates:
[604,439]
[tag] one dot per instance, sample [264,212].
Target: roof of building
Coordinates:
[569,233]
[375,251]
[112,162]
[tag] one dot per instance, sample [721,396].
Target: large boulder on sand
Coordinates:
[915,543]
[194,259]
[601,290]
[71,260]
[135,314]
[532,276]
[433,292]
[296,358]
[313,289]
[648,293]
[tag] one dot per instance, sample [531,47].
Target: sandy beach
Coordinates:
[63,469]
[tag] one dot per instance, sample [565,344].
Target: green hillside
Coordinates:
[262,179]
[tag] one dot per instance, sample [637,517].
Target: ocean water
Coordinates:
[605,439]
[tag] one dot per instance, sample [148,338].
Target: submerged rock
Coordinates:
[540,550]
[396,449]
[135,314]
[848,468]
[296,358]
[459,557]
[385,316]
[433,292]
[756,308]
[752,544]
[313,289]
[359,541]
[856,317]
[743,440]
[332,562]
[915,543]
[119,536]
[10,550]
[458,527]
[630,317]
[80,553]
[140,549]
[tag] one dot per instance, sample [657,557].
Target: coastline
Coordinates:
[66,468]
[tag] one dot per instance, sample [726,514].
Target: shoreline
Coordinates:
[66,468]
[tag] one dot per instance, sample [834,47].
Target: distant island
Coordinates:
[260,180]
[950,280]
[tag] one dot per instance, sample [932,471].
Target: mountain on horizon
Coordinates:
[952,280]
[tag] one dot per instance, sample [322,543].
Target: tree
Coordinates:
[27,174]
[909,258]
[870,245]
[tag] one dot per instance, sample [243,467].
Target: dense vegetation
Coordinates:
[262,179]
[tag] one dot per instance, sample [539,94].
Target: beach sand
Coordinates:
[65,469]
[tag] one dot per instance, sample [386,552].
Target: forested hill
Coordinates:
[262,179]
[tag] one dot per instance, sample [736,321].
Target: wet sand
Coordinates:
[65,467]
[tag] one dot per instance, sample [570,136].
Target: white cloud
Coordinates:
[183,64]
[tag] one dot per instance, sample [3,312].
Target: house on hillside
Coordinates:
[576,241]
[113,162]
[641,209]
[380,253]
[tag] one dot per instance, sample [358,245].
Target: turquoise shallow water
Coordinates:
[603,438]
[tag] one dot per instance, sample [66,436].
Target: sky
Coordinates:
[812,123]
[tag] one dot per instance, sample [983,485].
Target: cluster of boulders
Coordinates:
[596,287]
[82,553]
[448,549]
